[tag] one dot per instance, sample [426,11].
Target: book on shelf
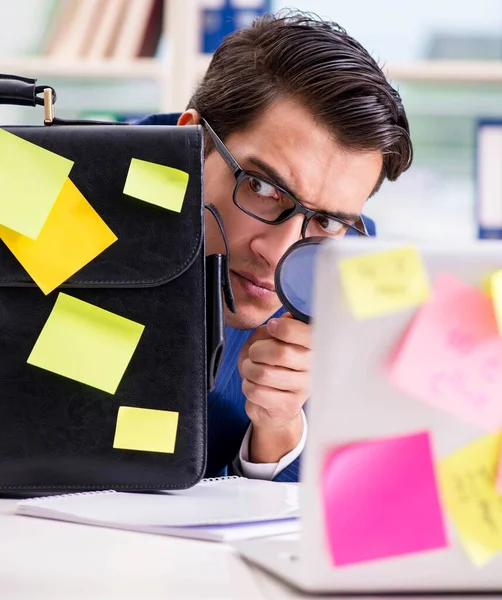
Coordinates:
[78,30]
[99,30]
[220,18]
[141,29]
[105,35]
[61,14]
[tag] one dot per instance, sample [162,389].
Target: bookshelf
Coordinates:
[177,69]
[180,60]
[139,68]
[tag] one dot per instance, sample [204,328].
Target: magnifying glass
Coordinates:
[294,277]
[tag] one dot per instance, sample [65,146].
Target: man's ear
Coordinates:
[189,117]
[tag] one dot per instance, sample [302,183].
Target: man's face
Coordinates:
[320,174]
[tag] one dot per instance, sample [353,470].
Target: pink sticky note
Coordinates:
[451,356]
[444,286]
[381,500]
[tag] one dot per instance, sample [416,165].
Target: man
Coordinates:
[299,122]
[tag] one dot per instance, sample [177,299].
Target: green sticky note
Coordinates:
[31,178]
[86,343]
[157,184]
[146,429]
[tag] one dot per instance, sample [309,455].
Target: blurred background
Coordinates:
[122,59]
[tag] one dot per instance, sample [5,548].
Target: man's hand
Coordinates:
[275,368]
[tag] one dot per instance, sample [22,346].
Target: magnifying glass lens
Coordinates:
[294,278]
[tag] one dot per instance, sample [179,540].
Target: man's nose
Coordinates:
[276,239]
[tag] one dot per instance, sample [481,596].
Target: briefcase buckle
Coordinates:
[48,106]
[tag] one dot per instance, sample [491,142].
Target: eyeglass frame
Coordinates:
[239,173]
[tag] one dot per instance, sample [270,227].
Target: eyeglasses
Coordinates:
[271,204]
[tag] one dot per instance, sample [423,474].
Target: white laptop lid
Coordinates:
[351,401]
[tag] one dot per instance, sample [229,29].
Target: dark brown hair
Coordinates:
[298,55]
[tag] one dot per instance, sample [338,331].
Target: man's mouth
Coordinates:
[253,286]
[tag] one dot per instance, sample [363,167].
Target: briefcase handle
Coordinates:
[23,91]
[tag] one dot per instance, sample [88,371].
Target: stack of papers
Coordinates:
[223,509]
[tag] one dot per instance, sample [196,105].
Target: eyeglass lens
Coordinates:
[267,202]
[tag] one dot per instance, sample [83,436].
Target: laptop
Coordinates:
[352,401]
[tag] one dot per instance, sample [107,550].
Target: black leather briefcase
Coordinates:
[57,434]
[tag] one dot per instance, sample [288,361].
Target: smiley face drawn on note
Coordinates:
[384,282]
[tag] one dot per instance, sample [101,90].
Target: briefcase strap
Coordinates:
[225,264]
[23,91]
[218,290]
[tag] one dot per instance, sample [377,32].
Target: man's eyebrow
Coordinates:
[276,178]
[273,175]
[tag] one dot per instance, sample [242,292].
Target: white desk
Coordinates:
[51,560]
[42,560]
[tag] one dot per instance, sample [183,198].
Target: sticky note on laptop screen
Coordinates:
[381,283]
[496,294]
[451,357]
[156,184]
[381,500]
[499,474]
[31,178]
[146,430]
[72,236]
[467,479]
[86,343]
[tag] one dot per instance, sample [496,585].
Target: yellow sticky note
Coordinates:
[467,480]
[31,178]
[86,343]
[384,282]
[146,429]
[157,184]
[72,236]
[496,294]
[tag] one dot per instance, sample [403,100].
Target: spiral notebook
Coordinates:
[221,509]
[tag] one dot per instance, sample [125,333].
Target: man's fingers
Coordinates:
[276,403]
[278,378]
[291,331]
[259,333]
[277,353]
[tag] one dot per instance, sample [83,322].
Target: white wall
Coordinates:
[396,30]
[21,22]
